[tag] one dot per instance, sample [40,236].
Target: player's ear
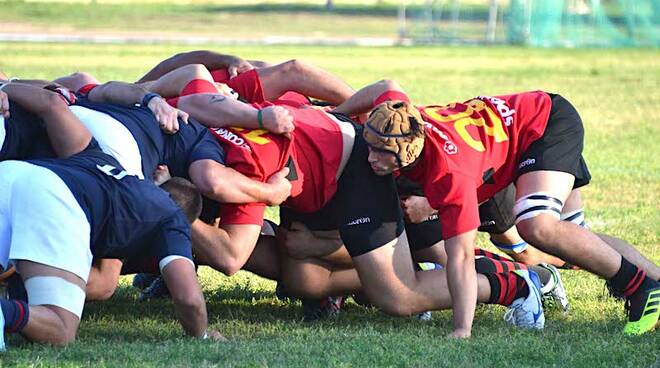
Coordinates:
[185,195]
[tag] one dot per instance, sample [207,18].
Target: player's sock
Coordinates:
[16,314]
[489,265]
[488,254]
[544,274]
[506,287]
[511,248]
[627,280]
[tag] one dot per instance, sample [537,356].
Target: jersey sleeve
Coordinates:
[455,197]
[207,148]
[173,238]
[242,214]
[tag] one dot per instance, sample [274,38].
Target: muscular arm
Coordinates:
[119,93]
[128,94]
[217,111]
[363,100]
[181,280]
[462,279]
[211,60]
[226,185]
[225,248]
[103,279]
[67,134]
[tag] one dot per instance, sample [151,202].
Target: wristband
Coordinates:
[148,97]
[260,118]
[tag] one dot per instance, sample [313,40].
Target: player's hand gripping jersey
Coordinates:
[472,150]
[313,155]
[132,135]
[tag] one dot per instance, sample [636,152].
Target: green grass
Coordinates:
[221,19]
[617,93]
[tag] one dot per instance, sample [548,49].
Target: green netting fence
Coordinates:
[546,23]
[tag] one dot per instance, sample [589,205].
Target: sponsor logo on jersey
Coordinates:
[529,161]
[449,146]
[505,111]
[231,137]
[359,221]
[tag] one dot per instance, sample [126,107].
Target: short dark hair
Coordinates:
[185,195]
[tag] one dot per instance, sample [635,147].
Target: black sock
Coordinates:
[544,274]
[627,280]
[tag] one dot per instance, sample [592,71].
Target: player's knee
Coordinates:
[538,230]
[292,67]
[65,336]
[196,71]
[394,306]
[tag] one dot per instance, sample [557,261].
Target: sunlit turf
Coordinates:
[617,93]
[222,19]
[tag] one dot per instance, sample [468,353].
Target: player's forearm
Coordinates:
[209,59]
[227,248]
[218,111]
[181,280]
[226,185]
[364,100]
[119,93]
[462,280]
[66,133]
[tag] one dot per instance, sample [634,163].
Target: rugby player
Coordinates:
[463,153]
[131,134]
[57,214]
[333,184]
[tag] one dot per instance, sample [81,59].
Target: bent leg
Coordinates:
[56,300]
[563,239]
[392,284]
[306,79]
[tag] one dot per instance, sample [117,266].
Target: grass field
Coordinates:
[617,93]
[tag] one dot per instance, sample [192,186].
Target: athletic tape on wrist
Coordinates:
[260,118]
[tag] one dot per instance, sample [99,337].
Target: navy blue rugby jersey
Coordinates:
[192,142]
[129,217]
[23,135]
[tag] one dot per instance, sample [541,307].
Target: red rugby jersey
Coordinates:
[313,155]
[471,151]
